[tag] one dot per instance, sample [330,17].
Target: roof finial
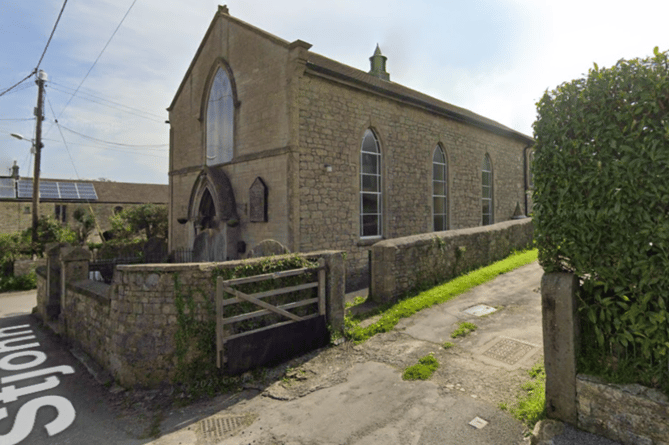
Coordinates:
[378,61]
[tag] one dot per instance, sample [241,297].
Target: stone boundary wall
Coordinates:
[630,414]
[86,317]
[401,264]
[129,326]
[24,267]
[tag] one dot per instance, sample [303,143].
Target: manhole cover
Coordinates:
[508,351]
[219,427]
[480,310]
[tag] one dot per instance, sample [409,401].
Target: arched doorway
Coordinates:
[213,220]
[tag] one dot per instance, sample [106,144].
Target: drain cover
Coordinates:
[478,423]
[480,310]
[508,351]
[218,427]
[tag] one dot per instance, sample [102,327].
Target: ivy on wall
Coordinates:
[195,338]
[601,210]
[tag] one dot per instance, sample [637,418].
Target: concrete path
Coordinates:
[354,394]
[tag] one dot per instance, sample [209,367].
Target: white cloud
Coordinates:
[494,57]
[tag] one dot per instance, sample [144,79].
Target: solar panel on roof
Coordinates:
[7,188]
[68,190]
[48,190]
[7,192]
[86,190]
[72,191]
[25,189]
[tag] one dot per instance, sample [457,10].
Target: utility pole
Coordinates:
[39,115]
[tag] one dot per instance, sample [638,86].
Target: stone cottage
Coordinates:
[269,140]
[61,198]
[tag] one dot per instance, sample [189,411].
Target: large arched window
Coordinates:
[486,192]
[370,186]
[439,190]
[220,120]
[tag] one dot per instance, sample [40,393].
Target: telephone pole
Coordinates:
[39,115]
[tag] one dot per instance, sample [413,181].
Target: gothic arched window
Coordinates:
[486,192]
[439,190]
[370,186]
[220,120]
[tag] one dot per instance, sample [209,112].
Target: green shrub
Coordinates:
[146,221]
[601,208]
[22,282]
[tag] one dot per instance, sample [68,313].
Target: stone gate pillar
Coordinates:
[560,328]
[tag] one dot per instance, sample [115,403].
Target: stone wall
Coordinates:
[630,414]
[129,327]
[86,318]
[401,264]
[25,266]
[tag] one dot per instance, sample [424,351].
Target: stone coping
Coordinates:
[421,238]
[633,389]
[176,267]
[94,289]
[41,271]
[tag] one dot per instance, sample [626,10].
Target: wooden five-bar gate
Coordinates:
[291,334]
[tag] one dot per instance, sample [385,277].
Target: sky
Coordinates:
[109,85]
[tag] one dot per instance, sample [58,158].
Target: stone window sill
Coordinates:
[369,241]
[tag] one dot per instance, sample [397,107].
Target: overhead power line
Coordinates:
[51,36]
[109,142]
[115,105]
[17,84]
[43,53]
[96,60]
[63,138]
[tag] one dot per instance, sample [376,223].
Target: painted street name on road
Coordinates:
[13,341]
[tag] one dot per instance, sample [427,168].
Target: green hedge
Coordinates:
[601,210]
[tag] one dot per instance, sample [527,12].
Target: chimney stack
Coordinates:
[15,170]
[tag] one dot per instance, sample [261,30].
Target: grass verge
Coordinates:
[439,294]
[422,370]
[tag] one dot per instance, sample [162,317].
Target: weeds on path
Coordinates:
[422,370]
[464,329]
[531,404]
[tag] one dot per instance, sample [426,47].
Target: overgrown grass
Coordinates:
[448,345]
[392,314]
[464,329]
[422,370]
[531,405]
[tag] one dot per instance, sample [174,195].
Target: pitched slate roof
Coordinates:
[130,192]
[355,77]
[320,64]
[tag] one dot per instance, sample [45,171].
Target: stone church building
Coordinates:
[271,141]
